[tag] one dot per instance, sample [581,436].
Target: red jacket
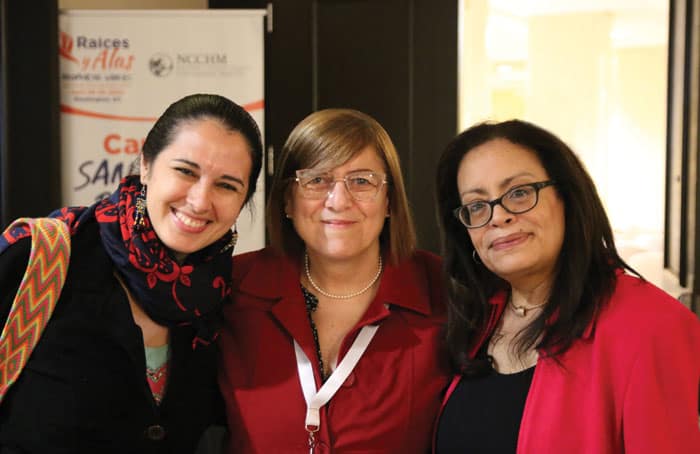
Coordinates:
[388,403]
[630,385]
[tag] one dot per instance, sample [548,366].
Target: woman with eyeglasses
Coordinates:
[333,340]
[557,345]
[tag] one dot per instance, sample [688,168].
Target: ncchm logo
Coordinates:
[160,65]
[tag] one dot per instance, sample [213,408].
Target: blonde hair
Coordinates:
[325,140]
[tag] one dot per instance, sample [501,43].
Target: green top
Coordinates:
[156,356]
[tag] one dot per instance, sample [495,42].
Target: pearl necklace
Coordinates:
[341,297]
[521,311]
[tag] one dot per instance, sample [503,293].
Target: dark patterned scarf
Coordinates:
[171,293]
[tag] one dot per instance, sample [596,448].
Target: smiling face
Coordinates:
[337,226]
[520,248]
[197,185]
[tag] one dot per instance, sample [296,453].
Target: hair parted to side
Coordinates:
[325,140]
[199,107]
[586,267]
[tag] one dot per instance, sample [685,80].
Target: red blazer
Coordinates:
[629,385]
[388,403]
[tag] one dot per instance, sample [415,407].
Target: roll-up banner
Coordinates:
[119,70]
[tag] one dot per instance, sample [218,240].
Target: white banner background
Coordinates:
[119,70]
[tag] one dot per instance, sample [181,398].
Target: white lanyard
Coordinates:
[316,400]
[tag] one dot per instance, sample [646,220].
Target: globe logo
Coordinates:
[160,65]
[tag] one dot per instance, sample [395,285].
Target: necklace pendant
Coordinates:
[520,311]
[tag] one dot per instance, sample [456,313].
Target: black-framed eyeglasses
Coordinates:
[517,200]
[362,185]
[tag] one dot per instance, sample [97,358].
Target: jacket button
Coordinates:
[155,432]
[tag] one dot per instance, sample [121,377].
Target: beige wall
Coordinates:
[474,97]
[133,4]
[637,133]
[568,77]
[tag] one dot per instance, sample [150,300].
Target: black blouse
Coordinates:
[483,414]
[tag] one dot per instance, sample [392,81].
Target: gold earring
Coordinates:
[234,239]
[140,209]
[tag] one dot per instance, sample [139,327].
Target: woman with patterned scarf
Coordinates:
[127,362]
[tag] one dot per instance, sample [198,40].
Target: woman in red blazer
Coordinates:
[555,348]
[333,342]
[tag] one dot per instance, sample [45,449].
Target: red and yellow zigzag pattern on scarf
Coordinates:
[36,297]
